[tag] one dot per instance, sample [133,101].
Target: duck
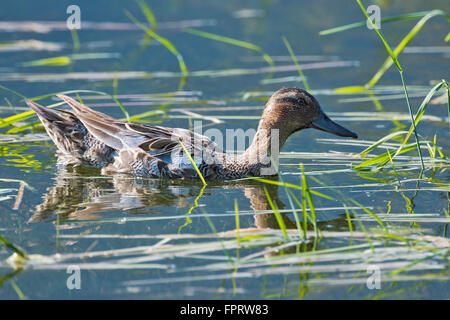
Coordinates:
[85,137]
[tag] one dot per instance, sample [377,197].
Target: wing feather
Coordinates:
[121,135]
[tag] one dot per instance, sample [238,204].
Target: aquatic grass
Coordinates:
[382,141]
[400,70]
[302,228]
[236,210]
[387,64]
[290,196]
[188,219]
[403,17]
[16,249]
[166,43]
[306,195]
[345,198]
[192,162]
[53,62]
[148,13]
[277,214]
[392,53]
[425,16]
[17,290]
[373,215]
[238,43]
[25,115]
[393,168]
[423,107]
[447,88]
[442,252]
[66,60]
[382,159]
[294,59]
[75,40]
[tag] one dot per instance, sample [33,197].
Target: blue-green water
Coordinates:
[76,211]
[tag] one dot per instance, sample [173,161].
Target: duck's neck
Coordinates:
[263,152]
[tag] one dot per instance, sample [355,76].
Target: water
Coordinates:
[153,239]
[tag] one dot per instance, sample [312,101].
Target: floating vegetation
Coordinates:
[66,60]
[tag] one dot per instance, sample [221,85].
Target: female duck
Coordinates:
[88,137]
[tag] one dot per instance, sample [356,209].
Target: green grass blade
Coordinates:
[373,215]
[383,158]
[166,43]
[238,43]
[148,13]
[27,114]
[236,211]
[294,59]
[413,123]
[49,62]
[403,17]
[277,214]
[423,107]
[14,248]
[412,33]
[388,48]
[193,162]
[17,290]
[382,140]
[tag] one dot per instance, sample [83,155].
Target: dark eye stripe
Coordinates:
[288,99]
[292,100]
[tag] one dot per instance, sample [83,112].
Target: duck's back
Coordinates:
[88,137]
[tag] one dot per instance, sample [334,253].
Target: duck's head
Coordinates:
[294,109]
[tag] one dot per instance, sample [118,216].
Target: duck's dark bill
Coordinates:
[328,125]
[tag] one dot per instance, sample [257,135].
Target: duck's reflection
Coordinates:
[78,195]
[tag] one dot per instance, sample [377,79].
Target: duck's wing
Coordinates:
[75,144]
[126,135]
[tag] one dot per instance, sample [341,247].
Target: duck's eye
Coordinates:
[301,101]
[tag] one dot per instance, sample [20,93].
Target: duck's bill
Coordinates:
[328,125]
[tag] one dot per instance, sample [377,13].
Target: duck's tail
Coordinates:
[71,137]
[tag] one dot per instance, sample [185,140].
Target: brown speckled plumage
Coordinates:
[88,137]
